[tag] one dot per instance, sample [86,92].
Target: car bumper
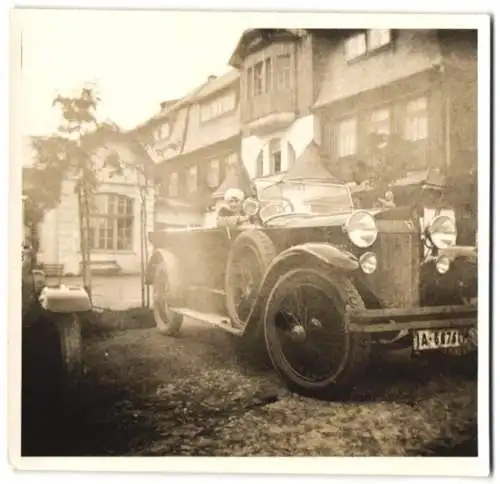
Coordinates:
[400,319]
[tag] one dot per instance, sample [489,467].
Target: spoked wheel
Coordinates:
[250,256]
[306,336]
[167,322]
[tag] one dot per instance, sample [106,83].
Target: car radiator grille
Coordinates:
[396,281]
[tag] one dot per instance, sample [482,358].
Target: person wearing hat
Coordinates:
[387,201]
[231,213]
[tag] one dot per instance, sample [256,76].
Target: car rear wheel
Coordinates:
[305,332]
[167,322]
[250,256]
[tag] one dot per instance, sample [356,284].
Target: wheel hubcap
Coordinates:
[308,335]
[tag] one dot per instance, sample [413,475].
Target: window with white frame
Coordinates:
[416,119]
[259,165]
[378,38]
[283,72]
[258,79]
[380,121]
[214,172]
[218,106]
[268,75]
[346,137]
[275,156]
[173,185]
[249,83]
[111,222]
[192,180]
[359,44]
[231,159]
[272,74]
[355,46]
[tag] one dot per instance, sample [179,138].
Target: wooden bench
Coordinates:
[52,270]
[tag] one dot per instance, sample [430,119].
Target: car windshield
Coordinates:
[313,197]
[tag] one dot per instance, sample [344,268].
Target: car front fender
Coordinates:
[317,252]
[307,255]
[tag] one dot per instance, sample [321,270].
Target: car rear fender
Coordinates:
[64,299]
[310,254]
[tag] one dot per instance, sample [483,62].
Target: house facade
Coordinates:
[115,222]
[196,140]
[337,87]
[297,94]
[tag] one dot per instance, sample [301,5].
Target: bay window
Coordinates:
[283,72]
[258,79]
[272,72]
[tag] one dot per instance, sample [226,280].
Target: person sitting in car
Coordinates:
[231,213]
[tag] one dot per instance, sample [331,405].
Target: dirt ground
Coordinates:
[144,394]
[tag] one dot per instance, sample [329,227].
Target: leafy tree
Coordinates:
[69,154]
[387,158]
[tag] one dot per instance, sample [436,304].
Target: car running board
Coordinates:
[214,319]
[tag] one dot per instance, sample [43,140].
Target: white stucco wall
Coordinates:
[299,134]
[59,232]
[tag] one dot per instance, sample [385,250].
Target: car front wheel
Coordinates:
[167,322]
[305,332]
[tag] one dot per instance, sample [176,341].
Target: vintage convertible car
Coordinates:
[319,282]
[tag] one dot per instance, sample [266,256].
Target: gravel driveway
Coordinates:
[146,394]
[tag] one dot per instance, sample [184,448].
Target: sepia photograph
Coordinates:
[250,235]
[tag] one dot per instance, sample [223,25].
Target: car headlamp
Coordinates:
[361,229]
[442,232]
[368,262]
[443,264]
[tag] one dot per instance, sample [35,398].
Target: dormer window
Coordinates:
[355,46]
[365,42]
[218,106]
[378,38]
[162,132]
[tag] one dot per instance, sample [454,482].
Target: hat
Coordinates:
[234,193]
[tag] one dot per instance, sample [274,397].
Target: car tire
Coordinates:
[329,296]
[257,251]
[167,322]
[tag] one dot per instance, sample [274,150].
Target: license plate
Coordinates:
[434,339]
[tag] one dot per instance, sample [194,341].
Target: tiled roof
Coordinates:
[217,84]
